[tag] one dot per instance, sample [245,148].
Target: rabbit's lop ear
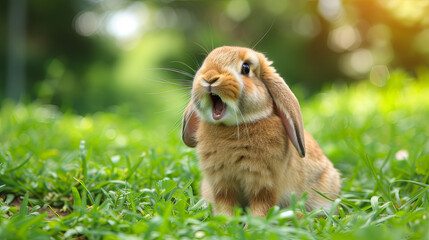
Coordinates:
[286,105]
[190,125]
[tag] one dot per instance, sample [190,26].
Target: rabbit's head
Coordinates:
[227,88]
[238,85]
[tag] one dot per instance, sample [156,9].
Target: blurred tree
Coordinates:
[90,54]
[15,85]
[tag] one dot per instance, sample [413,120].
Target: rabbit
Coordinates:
[246,126]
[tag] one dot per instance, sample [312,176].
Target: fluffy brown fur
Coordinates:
[248,131]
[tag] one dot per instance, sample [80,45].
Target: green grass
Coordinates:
[112,176]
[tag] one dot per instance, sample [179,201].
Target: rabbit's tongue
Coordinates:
[219,108]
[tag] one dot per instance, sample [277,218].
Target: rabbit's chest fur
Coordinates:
[247,158]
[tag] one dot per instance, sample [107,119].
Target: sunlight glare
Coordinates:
[357,63]
[128,23]
[122,24]
[409,11]
[86,23]
[307,26]
[361,60]
[238,10]
[344,38]
[331,10]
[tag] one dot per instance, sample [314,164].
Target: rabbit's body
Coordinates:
[250,141]
[241,163]
[235,164]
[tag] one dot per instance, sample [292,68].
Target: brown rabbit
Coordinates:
[247,128]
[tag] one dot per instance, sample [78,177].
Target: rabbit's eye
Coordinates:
[245,69]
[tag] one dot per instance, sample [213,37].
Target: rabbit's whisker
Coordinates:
[186,65]
[245,124]
[203,48]
[238,125]
[173,97]
[184,82]
[177,123]
[168,91]
[177,71]
[263,36]
[172,108]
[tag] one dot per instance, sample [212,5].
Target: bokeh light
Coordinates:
[379,75]
[307,25]
[110,43]
[238,10]
[331,10]
[344,38]
[87,23]
[409,12]
[357,63]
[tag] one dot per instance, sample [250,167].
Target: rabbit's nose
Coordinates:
[211,76]
[210,81]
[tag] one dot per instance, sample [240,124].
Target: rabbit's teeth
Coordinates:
[218,107]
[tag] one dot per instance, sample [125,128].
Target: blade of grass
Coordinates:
[427,177]
[383,207]
[128,161]
[131,199]
[20,165]
[23,210]
[410,181]
[120,182]
[331,219]
[135,167]
[84,201]
[83,159]
[415,197]
[89,193]
[185,187]
[374,203]
[386,160]
[53,211]
[77,202]
[29,222]
[379,182]
[6,157]
[345,201]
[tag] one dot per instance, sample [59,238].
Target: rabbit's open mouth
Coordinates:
[218,107]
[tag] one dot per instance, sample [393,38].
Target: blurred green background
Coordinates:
[95,55]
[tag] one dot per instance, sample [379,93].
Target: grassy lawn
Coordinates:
[117,176]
